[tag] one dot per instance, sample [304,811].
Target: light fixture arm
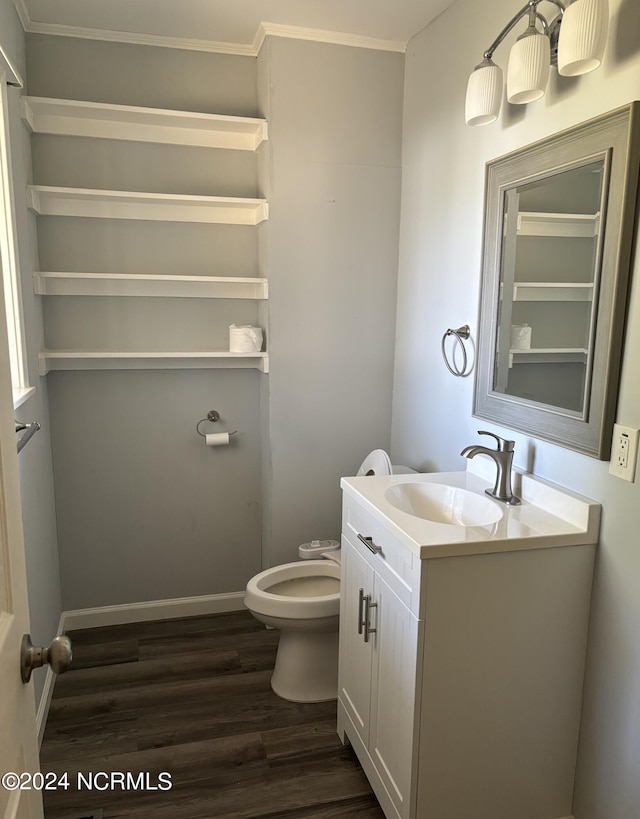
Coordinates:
[531,8]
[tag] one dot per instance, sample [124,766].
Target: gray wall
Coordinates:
[145,510]
[335,116]
[36,478]
[440,257]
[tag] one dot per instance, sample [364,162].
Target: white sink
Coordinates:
[441,503]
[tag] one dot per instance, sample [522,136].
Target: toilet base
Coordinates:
[306,668]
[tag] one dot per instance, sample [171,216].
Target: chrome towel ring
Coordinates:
[460,335]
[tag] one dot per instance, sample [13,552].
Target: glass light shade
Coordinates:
[484,94]
[528,69]
[583,37]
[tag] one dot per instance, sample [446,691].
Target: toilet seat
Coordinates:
[303,590]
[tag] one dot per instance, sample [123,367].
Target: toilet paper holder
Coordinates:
[212,416]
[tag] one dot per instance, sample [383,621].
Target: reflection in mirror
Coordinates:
[549,273]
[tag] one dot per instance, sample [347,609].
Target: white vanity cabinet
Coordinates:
[379,649]
[460,678]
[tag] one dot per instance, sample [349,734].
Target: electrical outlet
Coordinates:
[624,452]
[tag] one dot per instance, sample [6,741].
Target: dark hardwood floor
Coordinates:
[192,698]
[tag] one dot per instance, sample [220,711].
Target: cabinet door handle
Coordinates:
[361,620]
[368,605]
[371,546]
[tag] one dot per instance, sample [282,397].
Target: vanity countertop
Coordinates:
[549,515]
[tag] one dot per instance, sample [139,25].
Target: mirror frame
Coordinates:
[614,137]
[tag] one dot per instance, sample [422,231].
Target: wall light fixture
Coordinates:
[573,40]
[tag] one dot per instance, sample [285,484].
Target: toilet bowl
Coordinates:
[302,600]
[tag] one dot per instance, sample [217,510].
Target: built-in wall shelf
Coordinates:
[553,291]
[120,284]
[104,121]
[576,225]
[139,360]
[103,204]
[549,355]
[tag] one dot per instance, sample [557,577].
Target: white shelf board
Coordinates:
[553,291]
[104,204]
[150,360]
[120,284]
[548,355]
[45,115]
[576,225]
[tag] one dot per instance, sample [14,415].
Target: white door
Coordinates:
[354,678]
[393,728]
[18,743]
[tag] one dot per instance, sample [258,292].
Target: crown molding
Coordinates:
[23,13]
[241,49]
[321,36]
[58,30]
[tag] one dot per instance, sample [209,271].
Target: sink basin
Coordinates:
[441,503]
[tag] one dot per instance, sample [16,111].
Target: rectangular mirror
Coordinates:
[559,226]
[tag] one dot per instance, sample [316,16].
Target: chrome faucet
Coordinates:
[503,456]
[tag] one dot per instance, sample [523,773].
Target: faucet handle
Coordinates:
[504,445]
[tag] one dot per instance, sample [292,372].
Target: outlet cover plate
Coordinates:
[624,452]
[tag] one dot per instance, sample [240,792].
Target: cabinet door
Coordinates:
[354,679]
[393,696]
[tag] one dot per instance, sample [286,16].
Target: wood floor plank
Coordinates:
[146,673]
[82,741]
[182,722]
[254,640]
[91,655]
[306,741]
[192,697]
[228,623]
[99,705]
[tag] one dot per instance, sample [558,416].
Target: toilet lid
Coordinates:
[376,463]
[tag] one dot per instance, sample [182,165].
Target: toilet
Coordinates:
[302,600]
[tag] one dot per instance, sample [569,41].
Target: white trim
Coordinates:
[149,360]
[158,40]
[10,262]
[6,66]
[21,395]
[322,36]
[106,121]
[23,13]
[47,200]
[239,49]
[44,704]
[122,284]
[47,691]
[152,610]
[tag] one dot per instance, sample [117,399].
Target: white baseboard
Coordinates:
[133,613]
[152,610]
[47,692]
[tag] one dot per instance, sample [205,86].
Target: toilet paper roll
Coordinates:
[520,337]
[244,338]
[217,439]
